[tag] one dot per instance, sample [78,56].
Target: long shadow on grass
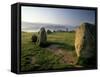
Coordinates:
[62,45]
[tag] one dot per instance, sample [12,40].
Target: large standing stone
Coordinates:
[42,37]
[85,44]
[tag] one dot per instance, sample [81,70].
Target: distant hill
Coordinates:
[33,27]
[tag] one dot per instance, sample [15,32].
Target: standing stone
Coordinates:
[34,39]
[42,37]
[85,44]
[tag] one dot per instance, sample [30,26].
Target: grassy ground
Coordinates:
[59,54]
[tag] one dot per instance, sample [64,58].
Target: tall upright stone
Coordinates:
[85,44]
[42,37]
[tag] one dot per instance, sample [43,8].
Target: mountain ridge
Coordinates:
[53,27]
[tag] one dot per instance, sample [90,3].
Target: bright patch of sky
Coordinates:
[57,15]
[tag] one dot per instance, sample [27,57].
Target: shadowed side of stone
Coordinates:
[85,45]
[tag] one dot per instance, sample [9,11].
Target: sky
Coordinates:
[56,15]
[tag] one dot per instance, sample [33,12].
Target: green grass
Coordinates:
[64,39]
[44,59]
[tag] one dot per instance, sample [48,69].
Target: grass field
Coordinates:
[59,54]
